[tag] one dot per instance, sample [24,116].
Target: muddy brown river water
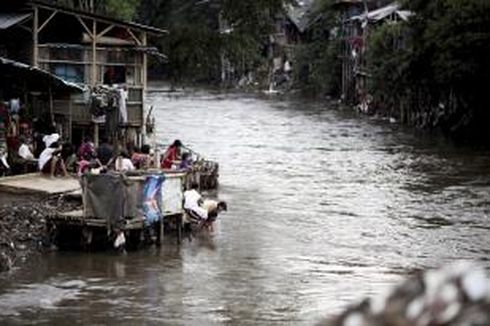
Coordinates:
[325,208]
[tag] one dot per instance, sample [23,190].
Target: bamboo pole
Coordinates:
[51,109]
[46,22]
[144,75]
[70,118]
[35,40]
[94,52]
[94,74]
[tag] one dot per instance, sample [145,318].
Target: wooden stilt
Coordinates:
[35,40]
[179,228]
[161,232]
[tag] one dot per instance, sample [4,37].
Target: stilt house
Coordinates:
[84,48]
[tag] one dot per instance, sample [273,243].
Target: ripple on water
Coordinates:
[324,208]
[39,296]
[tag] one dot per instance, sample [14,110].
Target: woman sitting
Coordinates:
[123,162]
[50,161]
[141,159]
[186,162]
[171,154]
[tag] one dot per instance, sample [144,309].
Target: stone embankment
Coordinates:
[455,295]
[23,228]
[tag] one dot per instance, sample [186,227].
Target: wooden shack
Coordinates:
[357,16]
[84,48]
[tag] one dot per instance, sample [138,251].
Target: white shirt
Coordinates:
[124,164]
[49,139]
[191,199]
[45,156]
[25,152]
[191,202]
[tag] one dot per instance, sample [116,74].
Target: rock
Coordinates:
[458,294]
[22,223]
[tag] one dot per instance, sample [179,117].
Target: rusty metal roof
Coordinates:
[300,13]
[384,12]
[35,78]
[7,20]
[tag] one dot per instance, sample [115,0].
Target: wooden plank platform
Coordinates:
[37,184]
[77,218]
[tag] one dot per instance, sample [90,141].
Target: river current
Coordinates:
[325,208]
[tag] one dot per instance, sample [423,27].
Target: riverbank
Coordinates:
[23,226]
[418,123]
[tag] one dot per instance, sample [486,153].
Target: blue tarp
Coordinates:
[152,198]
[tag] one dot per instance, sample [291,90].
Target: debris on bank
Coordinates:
[23,228]
[458,295]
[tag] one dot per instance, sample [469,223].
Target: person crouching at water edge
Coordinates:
[213,207]
[204,212]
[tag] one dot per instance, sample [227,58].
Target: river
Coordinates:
[325,208]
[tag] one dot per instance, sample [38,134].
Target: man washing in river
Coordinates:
[205,211]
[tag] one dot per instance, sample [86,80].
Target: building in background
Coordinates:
[86,49]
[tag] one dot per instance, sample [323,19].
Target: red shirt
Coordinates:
[170,156]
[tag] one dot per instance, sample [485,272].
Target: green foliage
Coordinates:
[387,63]
[317,67]
[442,70]
[316,59]
[121,9]
[201,32]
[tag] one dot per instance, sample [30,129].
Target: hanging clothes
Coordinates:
[123,110]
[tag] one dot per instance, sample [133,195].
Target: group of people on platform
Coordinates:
[57,159]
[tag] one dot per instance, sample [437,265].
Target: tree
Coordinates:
[198,39]
[122,9]
[316,58]
[442,72]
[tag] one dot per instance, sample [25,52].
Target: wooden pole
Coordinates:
[145,63]
[180,217]
[161,231]
[51,113]
[70,119]
[144,74]
[94,53]
[362,55]
[94,74]
[35,40]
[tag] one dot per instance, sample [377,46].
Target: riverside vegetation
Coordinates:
[436,79]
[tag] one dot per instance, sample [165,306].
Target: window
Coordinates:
[72,73]
[115,75]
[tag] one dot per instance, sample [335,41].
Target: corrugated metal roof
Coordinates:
[384,12]
[37,78]
[299,13]
[9,19]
